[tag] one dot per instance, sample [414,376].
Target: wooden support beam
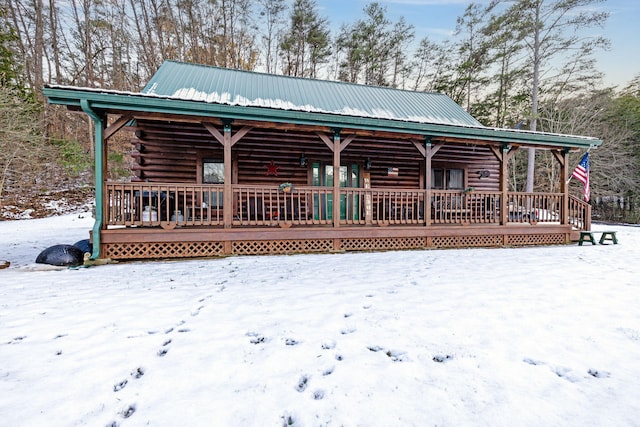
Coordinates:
[215,132]
[327,141]
[346,142]
[560,156]
[240,134]
[435,148]
[117,125]
[420,147]
[496,152]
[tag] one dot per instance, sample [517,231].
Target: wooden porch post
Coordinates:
[100,162]
[563,159]
[336,178]
[228,187]
[504,185]
[564,186]
[427,170]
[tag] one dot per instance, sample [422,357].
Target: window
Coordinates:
[447,179]
[213,173]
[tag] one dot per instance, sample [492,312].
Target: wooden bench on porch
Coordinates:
[587,236]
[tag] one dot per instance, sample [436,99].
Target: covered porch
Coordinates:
[266,220]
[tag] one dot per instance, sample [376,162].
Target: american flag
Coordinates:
[581,173]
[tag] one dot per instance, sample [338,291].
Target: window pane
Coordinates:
[212,172]
[328,173]
[343,176]
[437,179]
[455,179]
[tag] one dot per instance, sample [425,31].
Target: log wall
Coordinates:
[171,152]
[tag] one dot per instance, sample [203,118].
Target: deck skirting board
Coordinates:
[158,244]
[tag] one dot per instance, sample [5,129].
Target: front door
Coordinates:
[323,175]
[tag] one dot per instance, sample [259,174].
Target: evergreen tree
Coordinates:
[373,50]
[9,76]
[305,46]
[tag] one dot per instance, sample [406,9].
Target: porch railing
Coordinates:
[455,207]
[269,206]
[167,205]
[190,205]
[579,214]
[534,207]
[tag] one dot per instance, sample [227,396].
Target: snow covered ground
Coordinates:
[545,336]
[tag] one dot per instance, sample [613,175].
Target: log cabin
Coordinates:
[231,162]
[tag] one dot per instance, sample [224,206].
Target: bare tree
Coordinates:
[272,14]
[550,29]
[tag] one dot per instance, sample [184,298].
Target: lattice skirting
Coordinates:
[162,250]
[466,241]
[536,239]
[263,247]
[382,244]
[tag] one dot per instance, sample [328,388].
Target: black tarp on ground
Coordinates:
[61,255]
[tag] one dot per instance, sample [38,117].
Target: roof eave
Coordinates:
[142,103]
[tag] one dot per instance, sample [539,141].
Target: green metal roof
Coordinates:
[193,82]
[203,91]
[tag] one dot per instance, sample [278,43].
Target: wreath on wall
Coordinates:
[286,187]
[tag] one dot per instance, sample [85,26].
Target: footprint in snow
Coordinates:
[303,382]
[599,374]
[17,340]
[119,386]
[396,356]
[256,338]
[288,420]
[328,345]
[128,411]
[138,372]
[532,362]
[318,395]
[441,358]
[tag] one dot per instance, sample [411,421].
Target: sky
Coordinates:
[436,19]
[531,337]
